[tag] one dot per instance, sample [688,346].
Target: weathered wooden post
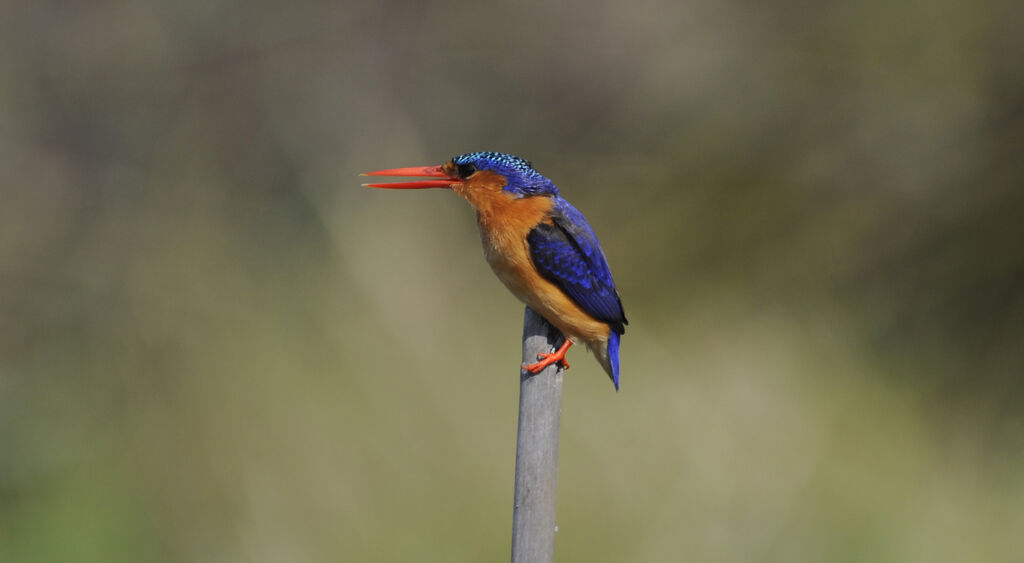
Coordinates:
[540,409]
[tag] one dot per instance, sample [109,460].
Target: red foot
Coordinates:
[548,359]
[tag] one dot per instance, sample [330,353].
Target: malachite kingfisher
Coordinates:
[539,245]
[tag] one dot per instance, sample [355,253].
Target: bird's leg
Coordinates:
[548,359]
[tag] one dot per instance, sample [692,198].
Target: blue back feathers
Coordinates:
[522,179]
[567,253]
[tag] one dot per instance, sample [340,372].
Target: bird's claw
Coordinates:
[545,361]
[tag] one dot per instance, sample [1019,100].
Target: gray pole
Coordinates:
[540,408]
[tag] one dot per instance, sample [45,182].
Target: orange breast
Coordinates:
[504,222]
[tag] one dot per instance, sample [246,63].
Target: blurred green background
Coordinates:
[216,346]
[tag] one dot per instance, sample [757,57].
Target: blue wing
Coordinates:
[566,253]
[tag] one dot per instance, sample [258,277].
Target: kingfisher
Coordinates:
[539,246]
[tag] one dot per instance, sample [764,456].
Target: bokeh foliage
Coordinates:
[216,346]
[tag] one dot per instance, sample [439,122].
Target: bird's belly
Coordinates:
[509,257]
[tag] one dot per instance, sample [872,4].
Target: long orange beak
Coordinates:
[427,171]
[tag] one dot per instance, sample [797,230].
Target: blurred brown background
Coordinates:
[216,346]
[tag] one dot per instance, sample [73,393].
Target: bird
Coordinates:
[539,245]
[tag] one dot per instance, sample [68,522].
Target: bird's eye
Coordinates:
[466,170]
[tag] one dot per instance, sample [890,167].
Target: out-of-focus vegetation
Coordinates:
[216,346]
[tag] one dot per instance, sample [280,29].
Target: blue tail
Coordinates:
[613,357]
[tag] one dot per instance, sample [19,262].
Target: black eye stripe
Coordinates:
[466,170]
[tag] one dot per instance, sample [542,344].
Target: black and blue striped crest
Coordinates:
[521,178]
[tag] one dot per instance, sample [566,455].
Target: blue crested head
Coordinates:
[521,179]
